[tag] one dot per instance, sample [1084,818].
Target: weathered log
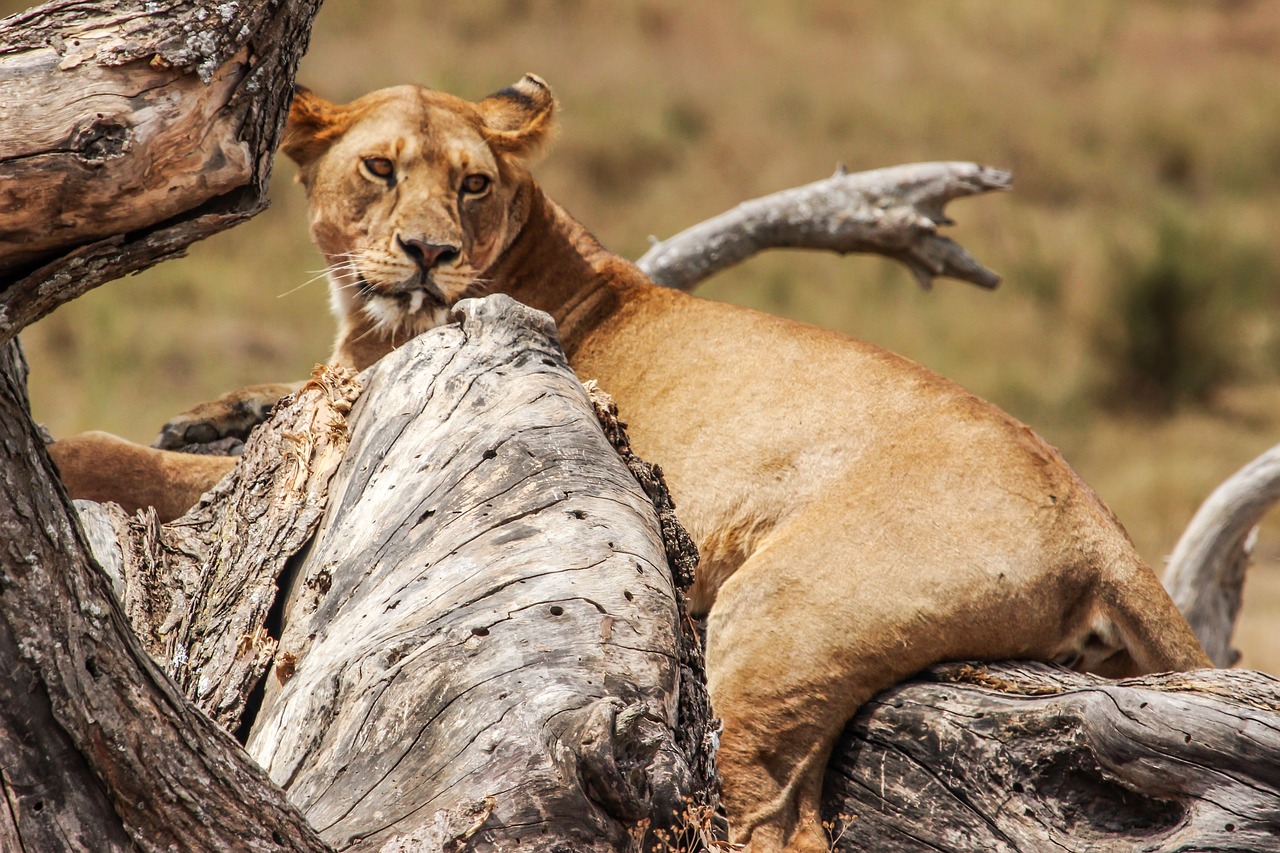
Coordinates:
[1205,575]
[129,130]
[480,643]
[1034,757]
[101,751]
[894,212]
[198,591]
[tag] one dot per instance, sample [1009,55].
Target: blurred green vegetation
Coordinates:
[1137,324]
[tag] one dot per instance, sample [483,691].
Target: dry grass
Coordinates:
[1117,119]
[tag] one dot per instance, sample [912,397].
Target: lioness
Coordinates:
[859,517]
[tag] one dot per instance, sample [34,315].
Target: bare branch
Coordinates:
[1205,576]
[143,127]
[894,212]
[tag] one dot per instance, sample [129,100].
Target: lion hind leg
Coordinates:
[773,777]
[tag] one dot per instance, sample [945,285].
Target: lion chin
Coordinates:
[408,313]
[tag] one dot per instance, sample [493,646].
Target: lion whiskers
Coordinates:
[339,273]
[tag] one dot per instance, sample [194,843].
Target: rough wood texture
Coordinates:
[481,641]
[101,751]
[894,212]
[142,127]
[1029,757]
[438,655]
[1205,576]
[198,591]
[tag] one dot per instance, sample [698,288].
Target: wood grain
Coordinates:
[1031,757]
[481,641]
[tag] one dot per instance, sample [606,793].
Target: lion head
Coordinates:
[415,193]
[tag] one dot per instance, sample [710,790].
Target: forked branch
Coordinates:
[894,212]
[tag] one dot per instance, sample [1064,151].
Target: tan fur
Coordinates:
[98,466]
[859,517]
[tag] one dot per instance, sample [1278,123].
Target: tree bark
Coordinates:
[129,130]
[199,590]
[106,753]
[1030,757]
[1206,573]
[101,104]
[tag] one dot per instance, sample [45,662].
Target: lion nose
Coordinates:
[427,255]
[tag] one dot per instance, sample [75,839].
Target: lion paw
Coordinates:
[225,422]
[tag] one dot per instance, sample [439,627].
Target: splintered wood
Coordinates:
[481,640]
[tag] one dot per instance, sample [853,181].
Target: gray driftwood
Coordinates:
[1030,757]
[894,212]
[1205,575]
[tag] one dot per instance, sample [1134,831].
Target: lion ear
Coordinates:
[312,126]
[519,119]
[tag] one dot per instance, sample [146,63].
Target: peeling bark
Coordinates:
[198,591]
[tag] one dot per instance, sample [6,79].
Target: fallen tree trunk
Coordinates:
[481,641]
[1028,757]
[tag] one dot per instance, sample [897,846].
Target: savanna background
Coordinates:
[1137,326]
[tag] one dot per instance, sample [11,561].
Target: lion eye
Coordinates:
[380,167]
[475,184]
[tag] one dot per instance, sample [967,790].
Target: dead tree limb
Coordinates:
[481,643]
[101,749]
[129,130]
[1028,757]
[1205,575]
[894,212]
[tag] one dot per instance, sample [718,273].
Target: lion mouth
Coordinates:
[411,296]
[414,305]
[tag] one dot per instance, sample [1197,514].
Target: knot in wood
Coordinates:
[104,138]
